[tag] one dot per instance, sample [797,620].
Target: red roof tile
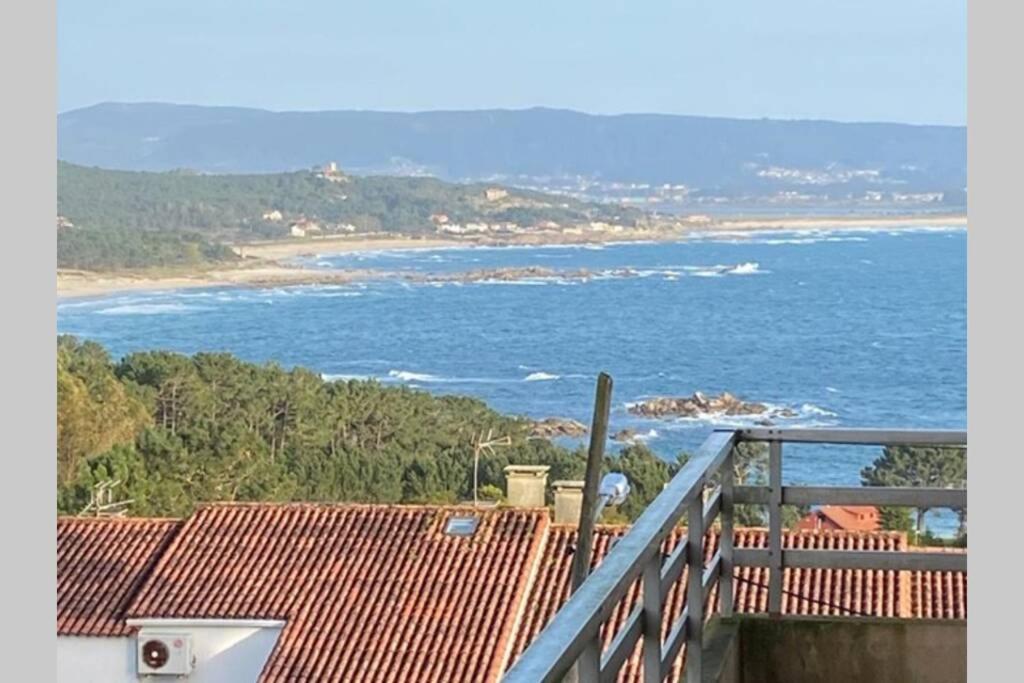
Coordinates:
[101,562]
[846,517]
[368,592]
[939,595]
[382,593]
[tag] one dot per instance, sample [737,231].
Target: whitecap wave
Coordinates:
[406,376]
[749,268]
[540,377]
[811,409]
[151,309]
[341,377]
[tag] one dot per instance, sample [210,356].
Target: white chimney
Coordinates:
[568,501]
[526,485]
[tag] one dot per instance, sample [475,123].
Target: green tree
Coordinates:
[918,467]
[94,410]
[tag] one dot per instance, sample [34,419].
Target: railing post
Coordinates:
[695,589]
[726,537]
[588,666]
[775,527]
[652,620]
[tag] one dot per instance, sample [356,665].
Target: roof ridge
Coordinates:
[355,506]
[119,520]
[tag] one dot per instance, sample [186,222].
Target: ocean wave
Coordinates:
[407,376]
[540,377]
[749,268]
[811,409]
[341,377]
[151,309]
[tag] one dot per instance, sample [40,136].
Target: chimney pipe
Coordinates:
[568,501]
[525,485]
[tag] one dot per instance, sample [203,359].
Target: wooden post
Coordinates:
[595,456]
[589,665]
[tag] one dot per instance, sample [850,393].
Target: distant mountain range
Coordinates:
[533,147]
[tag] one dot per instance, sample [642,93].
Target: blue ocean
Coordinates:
[853,328]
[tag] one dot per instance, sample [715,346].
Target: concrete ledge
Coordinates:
[795,649]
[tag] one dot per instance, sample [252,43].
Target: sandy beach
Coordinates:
[265,263]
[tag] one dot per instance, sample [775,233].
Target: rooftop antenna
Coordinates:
[483,445]
[101,501]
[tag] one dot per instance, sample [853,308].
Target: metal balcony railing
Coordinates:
[573,635]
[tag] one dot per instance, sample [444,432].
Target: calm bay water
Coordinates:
[849,328]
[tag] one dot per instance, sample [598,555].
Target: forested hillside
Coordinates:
[730,156]
[178,430]
[126,219]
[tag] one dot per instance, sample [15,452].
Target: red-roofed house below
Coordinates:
[842,518]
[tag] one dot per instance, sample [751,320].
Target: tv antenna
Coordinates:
[483,445]
[101,501]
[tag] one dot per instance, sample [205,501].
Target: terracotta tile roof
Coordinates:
[368,592]
[846,517]
[846,592]
[101,562]
[939,595]
[382,593]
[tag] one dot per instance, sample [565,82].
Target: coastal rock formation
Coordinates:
[700,405]
[552,427]
[625,435]
[516,274]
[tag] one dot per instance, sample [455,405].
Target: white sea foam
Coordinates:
[406,376]
[811,409]
[749,268]
[540,377]
[332,377]
[151,309]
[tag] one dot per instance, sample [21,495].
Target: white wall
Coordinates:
[95,660]
[224,651]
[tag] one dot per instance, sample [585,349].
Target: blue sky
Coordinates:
[849,60]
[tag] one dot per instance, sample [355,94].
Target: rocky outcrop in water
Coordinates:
[552,427]
[699,405]
[626,435]
[518,274]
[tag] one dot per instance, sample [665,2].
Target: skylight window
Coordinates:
[461,526]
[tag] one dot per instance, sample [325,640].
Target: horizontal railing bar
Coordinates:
[675,641]
[558,646]
[750,557]
[868,437]
[622,647]
[905,496]
[750,495]
[876,559]
[856,559]
[712,507]
[898,496]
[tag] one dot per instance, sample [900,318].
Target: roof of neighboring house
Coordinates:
[101,563]
[823,592]
[850,517]
[378,591]
[363,589]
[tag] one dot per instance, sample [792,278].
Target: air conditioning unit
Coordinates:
[165,654]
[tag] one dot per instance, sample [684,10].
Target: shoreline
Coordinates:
[266,268]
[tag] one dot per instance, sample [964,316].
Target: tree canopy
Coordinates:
[180,430]
[916,466]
